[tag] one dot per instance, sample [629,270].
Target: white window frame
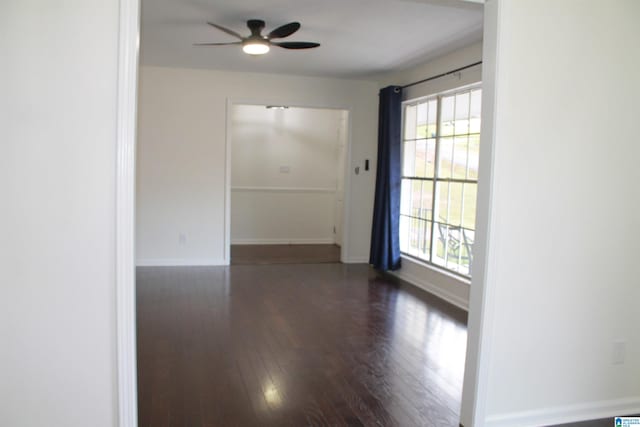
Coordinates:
[415,101]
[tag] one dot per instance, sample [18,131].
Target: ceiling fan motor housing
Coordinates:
[256,26]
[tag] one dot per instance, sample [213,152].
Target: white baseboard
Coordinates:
[255,189]
[567,414]
[168,262]
[432,288]
[321,241]
[356,260]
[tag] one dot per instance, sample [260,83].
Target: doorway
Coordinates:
[286,173]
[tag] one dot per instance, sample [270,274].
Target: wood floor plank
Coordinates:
[294,345]
[284,254]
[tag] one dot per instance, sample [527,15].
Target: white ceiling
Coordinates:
[358,37]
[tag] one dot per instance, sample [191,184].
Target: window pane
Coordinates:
[445,155]
[405,197]
[431,158]
[432,118]
[470,199]
[422,113]
[458,253]
[476,103]
[414,237]
[453,247]
[404,233]
[425,236]
[462,114]
[442,202]
[421,130]
[420,237]
[421,158]
[455,204]
[468,239]
[416,196]
[474,156]
[449,202]
[418,233]
[410,122]
[446,120]
[409,158]
[440,240]
[427,200]
[460,147]
[448,251]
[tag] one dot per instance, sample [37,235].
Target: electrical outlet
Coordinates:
[618,351]
[182,238]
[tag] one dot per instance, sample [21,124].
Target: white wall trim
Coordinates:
[346,192]
[129,31]
[432,288]
[567,414]
[283,189]
[180,262]
[227,184]
[481,298]
[355,260]
[319,241]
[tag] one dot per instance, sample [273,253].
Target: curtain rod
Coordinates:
[441,75]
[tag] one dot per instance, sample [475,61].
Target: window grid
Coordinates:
[446,240]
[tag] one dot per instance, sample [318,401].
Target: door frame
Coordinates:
[346,208]
[127,103]
[481,301]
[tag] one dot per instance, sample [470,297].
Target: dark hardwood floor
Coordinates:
[284,254]
[604,422]
[294,345]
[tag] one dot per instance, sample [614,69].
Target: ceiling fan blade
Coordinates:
[226,30]
[216,44]
[284,30]
[297,45]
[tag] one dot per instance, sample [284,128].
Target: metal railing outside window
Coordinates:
[440,156]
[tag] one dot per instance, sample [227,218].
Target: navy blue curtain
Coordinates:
[385,244]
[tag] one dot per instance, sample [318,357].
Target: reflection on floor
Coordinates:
[293,345]
[284,254]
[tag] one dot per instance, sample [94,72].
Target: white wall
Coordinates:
[57,181]
[446,286]
[560,284]
[445,63]
[284,174]
[181,155]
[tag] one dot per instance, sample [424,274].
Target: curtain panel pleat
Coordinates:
[385,242]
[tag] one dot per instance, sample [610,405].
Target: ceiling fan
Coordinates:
[256,43]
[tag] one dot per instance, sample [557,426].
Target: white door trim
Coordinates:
[346,208]
[129,33]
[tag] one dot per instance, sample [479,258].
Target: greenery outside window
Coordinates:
[440,156]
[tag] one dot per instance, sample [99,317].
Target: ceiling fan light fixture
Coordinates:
[255,47]
[256,44]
